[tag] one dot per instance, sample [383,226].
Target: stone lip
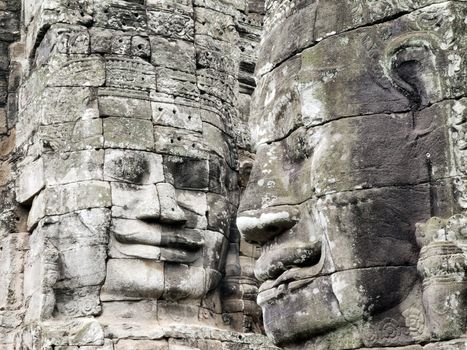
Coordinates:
[283,261]
[155,241]
[176,246]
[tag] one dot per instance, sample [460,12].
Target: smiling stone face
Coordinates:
[162,214]
[152,220]
[353,149]
[130,180]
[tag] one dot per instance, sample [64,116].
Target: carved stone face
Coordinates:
[353,149]
[132,196]
[159,224]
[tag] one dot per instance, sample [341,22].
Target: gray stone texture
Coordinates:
[121,133]
[193,174]
[357,125]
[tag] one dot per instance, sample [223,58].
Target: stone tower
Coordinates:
[357,193]
[124,134]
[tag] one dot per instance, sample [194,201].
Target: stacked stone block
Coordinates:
[11,245]
[128,167]
[357,120]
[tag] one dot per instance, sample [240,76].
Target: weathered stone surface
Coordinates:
[129,279]
[31,181]
[357,123]
[63,199]
[65,104]
[180,142]
[117,106]
[135,167]
[177,116]
[142,345]
[126,133]
[124,138]
[88,71]
[75,166]
[170,210]
[188,173]
[454,344]
[80,135]
[129,73]
[135,202]
[173,53]
[12,255]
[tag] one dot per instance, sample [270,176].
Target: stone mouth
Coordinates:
[285,258]
[178,246]
[183,239]
[270,292]
[293,277]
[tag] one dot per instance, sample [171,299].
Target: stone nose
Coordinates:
[264,224]
[161,206]
[170,210]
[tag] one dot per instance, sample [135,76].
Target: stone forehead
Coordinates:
[347,74]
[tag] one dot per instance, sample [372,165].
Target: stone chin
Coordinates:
[313,307]
[139,279]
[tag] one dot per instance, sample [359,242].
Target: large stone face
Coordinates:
[357,124]
[127,132]
[127,159]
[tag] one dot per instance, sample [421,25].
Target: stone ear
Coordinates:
[412,63]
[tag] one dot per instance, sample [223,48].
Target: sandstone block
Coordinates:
[78,301]
[170,210]
[215,25]
[184,282]
[12,260]
[135,202]
[219,143]
[117,106]
[63,199]
[171,25]
[131,17]
[220,213]
[134,167]
[142,345]
[222,179]
[30,181]
[128,133]
[217,84]
[68,104]
[213,249]
[173,53]
[80,135]
[63,168]
[174,82]
[87,71]
[140,47]
[129,279]
[187,173]
[80,332]
[458,344]
[178,116]
[129,73]
[179,142]
[3,121]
